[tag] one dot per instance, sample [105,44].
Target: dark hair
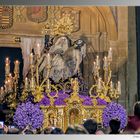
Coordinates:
[38,131]
[91,126]
[101,129]
[115,126]
[57,131]
[28,131]
[137,109]
[46,131]
[78,43]
[77,129]
[13,131]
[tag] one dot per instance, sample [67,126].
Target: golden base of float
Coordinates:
[74,112]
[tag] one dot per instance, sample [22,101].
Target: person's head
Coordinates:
[128,132]
[114,125]
[28,131]
[60,45]
[56,131]
[78,43]
[77,129]
[91,126]
[100,131]
[137,109]
[46,131]
[13,131]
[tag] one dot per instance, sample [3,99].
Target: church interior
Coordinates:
[63,65]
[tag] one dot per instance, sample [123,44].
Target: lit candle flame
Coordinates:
[38,49]
[110,54]
[119,87]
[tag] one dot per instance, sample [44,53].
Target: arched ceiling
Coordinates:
[108,20]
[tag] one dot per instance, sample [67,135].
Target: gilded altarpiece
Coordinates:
[73,112]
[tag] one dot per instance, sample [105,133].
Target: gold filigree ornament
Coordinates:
[64,26]
[13,105]
[24,95]
[104,94]
[52,98]
[74,98]
[38,96]
[94,95]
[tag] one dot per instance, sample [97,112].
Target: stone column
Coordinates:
[132,60]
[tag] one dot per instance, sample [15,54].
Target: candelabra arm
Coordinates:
[108,69]
[48,72]
[109,77]
[37,72]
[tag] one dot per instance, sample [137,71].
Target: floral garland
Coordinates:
[28,114]
[114,111]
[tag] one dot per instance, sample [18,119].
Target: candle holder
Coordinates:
[37,88]
[10,89]
[103,88]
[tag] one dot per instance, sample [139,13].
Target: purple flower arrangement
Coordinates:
[58,101]
[87,101]
[114,111]
[28,114]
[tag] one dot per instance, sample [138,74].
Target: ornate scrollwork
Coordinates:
[74,16]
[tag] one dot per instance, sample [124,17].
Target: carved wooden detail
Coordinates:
[6,17]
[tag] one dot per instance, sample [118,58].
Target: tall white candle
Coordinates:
[7,69]
[99,84]
[111,85]
[5,86]
[110,54]
[26,83]
[1,90]
[94,67]
[10,77]
[7,66]
[16,70]
[31,59]
[48,58]
[48,84]
[97,61]
[38,50]
[119,87]
[9,85]
[7,61]
[105,62]
[32,83]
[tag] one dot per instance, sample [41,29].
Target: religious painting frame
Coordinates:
[37,14]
